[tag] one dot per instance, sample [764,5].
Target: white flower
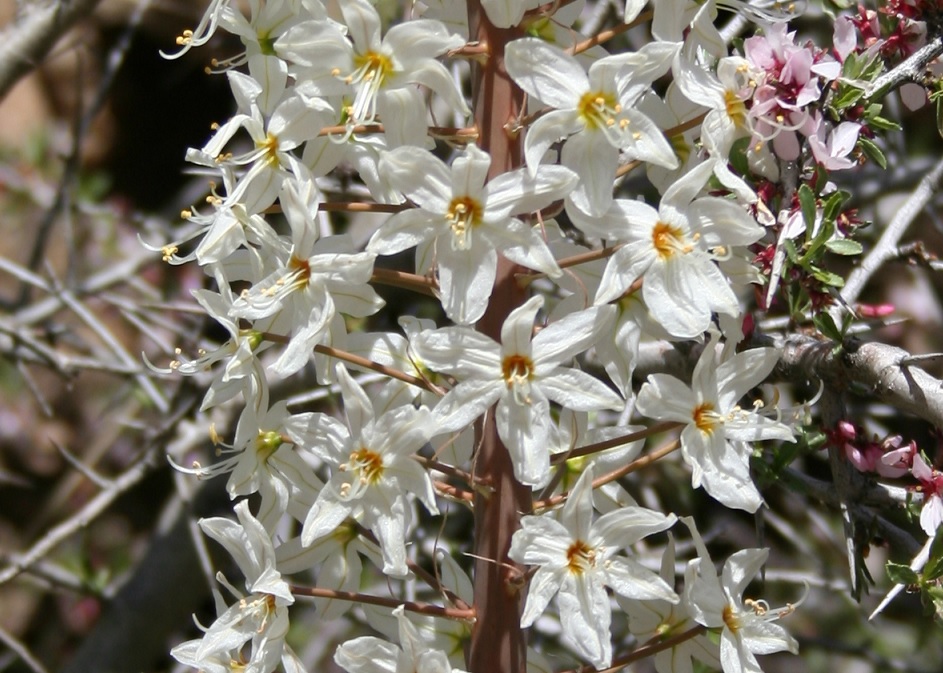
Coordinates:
[262,458]
[521,376]
[261,617]
[595,112]
[371,655]
[673,250]
[380,74]
[467,221]
[242,370]
[717,433]
[278,118]
[576,560]
[374,475]
[746,625]
[724,94]
[313,281]
[337,557]
[656,620]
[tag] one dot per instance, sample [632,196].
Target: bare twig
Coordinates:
[96,325]
[94,507]
[21,651]
[912,69]
[26,42]
[411,606]
[887,247]
[874,367]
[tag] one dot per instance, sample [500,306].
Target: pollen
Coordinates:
[185,38]
[731,619]
[736,109]
[598,109]
[580,557]
[463,215]
[518,371]
[368,464]
[168,252]
[705,418]
[668,240]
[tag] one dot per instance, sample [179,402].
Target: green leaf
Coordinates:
[934,568]
[882,124]
[847,96]
[826,229]
[933,594]
[827,326]
[833,205]
[791,253]
[873,152]
[844,246]
[827,277]
[939,115]
[901,574]
[807,204]
[738,156]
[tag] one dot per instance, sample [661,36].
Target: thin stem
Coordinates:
[634,466]
[606,35]
[361,207]
[574,260]
[467,133]
[647,650]
[377,367]
[409,281]
[454,492]
[362,362]
[614,442]
[432,464]
[412,606]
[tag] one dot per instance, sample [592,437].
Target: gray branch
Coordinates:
[25,43]
[878,369]
[887,246]
[912,69]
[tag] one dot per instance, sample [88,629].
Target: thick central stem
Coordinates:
[497,643]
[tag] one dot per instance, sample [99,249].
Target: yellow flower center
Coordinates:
[371,67]
[705,418]
[270,145]
[731,619]
[580,557]
[463,215]
[518,370]
[736,109]
[598,110]
[267,443]
[669,240]
[368,464]
[301,269]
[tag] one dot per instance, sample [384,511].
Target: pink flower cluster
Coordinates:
[792,77]
[893,458]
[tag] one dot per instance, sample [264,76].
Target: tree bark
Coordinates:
[497,643]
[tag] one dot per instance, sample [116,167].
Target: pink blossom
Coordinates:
[931,483]
[790,81]
[832,151]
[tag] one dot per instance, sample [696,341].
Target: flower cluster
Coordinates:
[541,274]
